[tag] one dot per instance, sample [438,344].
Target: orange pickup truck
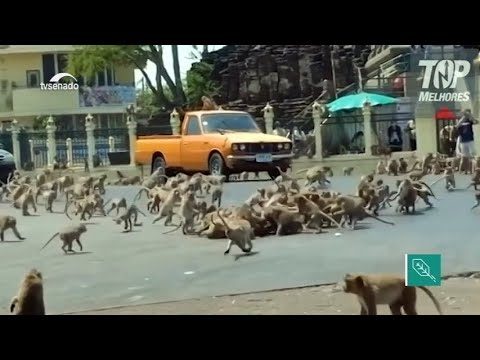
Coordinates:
[220,142]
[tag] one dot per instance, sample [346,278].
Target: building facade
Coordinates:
[23,68]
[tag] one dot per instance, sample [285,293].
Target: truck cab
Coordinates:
[218,142]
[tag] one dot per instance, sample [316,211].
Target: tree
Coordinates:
[87,60]
[199,83]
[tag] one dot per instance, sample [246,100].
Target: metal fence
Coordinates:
[39,144]
[102,146]
[79,145]
[390,130]
[343,134]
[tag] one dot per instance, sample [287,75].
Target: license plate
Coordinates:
[263,158]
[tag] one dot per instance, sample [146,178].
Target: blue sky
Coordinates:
[184,58]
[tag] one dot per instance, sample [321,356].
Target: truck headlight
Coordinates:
[243,147]
[287,146]
[235,147]
[280,146]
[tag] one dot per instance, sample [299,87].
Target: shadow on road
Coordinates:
[79,253]
[11,241]
[237,257]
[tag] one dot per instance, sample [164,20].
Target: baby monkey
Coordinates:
[126,217]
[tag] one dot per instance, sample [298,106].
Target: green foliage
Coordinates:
[199,82]
[89,59]
[40,122]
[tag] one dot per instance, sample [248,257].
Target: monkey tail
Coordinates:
[140,211]
[381,220]
[301,171]
[175,229]
[476,205]
[139,194]
[431,296]
[436,181]
[120,175]
[223,220]
[428,187]
[13,303]
[329,218]
[57,233]
[413,167]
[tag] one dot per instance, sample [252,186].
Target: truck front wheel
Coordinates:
[216,165]
[158,162]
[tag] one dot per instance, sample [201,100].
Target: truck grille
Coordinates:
[262,148]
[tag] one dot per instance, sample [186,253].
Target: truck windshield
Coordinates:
[214,123]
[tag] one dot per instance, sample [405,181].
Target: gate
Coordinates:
[102,148]
[79,145]
[39,144]
[445,119]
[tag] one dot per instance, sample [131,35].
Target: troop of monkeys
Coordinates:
[283,208]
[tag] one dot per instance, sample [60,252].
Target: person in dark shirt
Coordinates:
[395,140]
[465,143]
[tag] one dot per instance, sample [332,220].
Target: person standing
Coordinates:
[465,143]
[395,140]
[412,137]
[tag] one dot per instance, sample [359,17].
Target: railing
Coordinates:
[102,144]
[343,134]
[381,124]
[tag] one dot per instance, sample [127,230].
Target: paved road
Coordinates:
[146,266]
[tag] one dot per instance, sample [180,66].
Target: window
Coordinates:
[193,127]
[101,78]
[33,78]
[225,122]
[48,61]
[62,64]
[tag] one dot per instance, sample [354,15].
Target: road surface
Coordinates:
[145,266]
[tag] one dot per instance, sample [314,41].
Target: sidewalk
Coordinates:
[457,296]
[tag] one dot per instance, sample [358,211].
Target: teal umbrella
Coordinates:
[356,101]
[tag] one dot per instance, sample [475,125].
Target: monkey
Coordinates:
[256,198]
[85,206]
[381,168]
[240,234]
[475,181]
[67,235]
[283,176]
[315,174]
[9,222]
[312,212]
[64,182]
[407,195]
[19,191]
[454,162]
[29,299]
[403,165]
[166,210]
[126,217]
[436,168]
[49,196]
[214,179]
[477,199]
[216,191]
[392,167]
[347,171]
[187,212]
[99,184]
[378,289]
[353,208]
[204,209]
[76,191]
[287,222]
[476,163]
[116,203]
[24,201]
[449,177]
[131,180]
[244,176]
[40,179]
